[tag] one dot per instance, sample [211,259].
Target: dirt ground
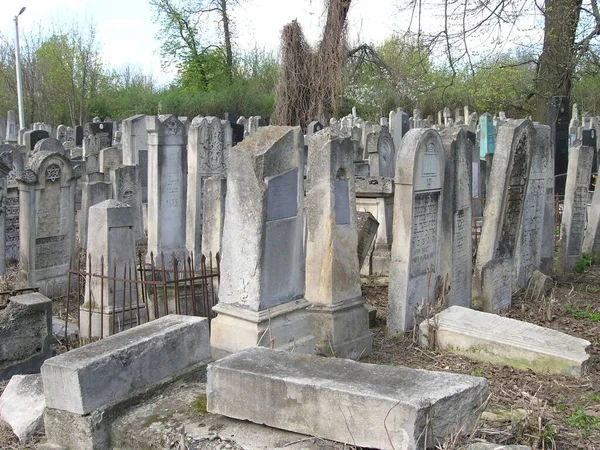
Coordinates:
[544,412]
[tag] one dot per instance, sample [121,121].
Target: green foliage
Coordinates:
[586,313]
[581,420]
[478,372]
[585,263]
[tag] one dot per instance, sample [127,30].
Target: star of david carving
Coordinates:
[53,173]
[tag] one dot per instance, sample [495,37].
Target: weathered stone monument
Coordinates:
[572,227]
[209,143]
[543,138]
[12,132]
[339,318]
[47,222]
[502,215]
[456,256]
[126,188]
[96,136]
[135,148]
[33,137]
[167,191]
[111,245]
[418,203]
[261,294]
[398,126]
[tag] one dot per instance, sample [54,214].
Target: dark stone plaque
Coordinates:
[282,196]
[342,203]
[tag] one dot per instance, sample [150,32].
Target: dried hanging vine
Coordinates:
[310,81]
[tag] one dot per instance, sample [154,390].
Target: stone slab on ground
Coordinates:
[491,446]
[500,340]
[365,405]
[119,366]
[22,405]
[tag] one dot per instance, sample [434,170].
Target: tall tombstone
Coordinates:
[528,254]
[94,189]
[167,185]
[253,124]
[208,146]
[261,293]
[97,135]
[543,138]
[418,200]
[12,132]
[33,137]
[382,154]
[340,320]
[492,281]
[47,222]
[398,126]
[135,148]
[572,226]
[112,245]
[126,188]
[2,130]
[558,119]
[245,123]
[456,254]
[79,136]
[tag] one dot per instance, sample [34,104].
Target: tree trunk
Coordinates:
[557,61]
[227,34]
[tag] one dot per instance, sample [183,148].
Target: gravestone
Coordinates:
[504,202]
[111,243]
[237,132]
[94,189]
[33,137]
[49,145]
[208,146]
[126,188]
[79,136]
[398,126]
[167,190]
[339,318]
[2,130]
[109,158]
[96,136]
[47,222]
[558,119]
[456,252]
[543,136]
[61,133]
[244,122]
[5,168]
[382,161]
[572,226]
[366,227]
[262,275]
[418,201]
[529,241]
[12,132]
[135,148]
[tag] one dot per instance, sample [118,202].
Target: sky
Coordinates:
[127,33]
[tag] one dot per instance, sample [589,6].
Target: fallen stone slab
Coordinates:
[117,367]
[22,405]
[491,446]
[361,404]
[499,340]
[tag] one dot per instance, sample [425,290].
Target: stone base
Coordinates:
[342,330]
[111,321]
[285,327]
[380,262]
[74,431]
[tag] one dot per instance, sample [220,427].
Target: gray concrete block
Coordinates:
[22,405]
[362,404]
[25,334]
[120,366]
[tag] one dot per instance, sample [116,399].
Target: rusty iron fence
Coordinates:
[109,300]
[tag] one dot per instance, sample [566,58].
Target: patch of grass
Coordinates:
[592,289]
[477,373]
[586,313]
[581,420]
[586,262]
[199,404]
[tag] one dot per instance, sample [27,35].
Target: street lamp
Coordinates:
[18,66]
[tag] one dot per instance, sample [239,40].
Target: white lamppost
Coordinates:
[18,66]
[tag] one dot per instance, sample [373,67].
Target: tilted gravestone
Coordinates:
[339,317]
[503,211]
[262,274]
[418,200]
